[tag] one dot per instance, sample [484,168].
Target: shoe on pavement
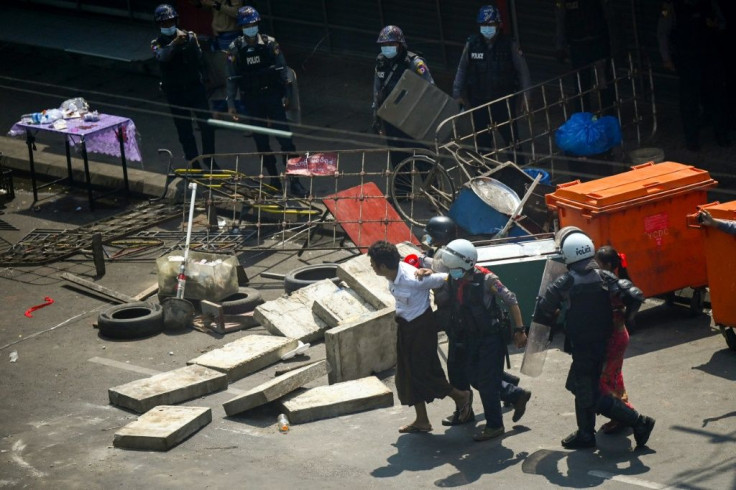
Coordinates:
[488,433]
[643,429]
[578,441]
[520,405]
[457,417]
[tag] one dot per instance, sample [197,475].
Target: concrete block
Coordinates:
[162,428]
[342,306]
[338,399]
[359,276]
[362,347]
[292,316]
[167,388]
[276,388]
[246,355]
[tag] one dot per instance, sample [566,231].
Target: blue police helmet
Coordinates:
[488,13]
[164,12]
[391,34]
[248,15]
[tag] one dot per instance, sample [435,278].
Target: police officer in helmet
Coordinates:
[477,343]
[257,69]
[391,63]
[491,66]
[180,59]
[586,291]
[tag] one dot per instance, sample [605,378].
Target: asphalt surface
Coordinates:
[57,425]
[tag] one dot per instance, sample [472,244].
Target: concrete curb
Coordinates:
[53,166]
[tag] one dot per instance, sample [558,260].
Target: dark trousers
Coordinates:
[583,53]
[262,107]
[396,138]
[182,102]
[582,381]
[500,114]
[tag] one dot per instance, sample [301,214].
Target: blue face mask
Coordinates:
[250,31]
[457,273]
[389,51]
[168,31]
[488,31]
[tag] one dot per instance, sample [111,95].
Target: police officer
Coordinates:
[180,60]
[586,292]
[587,30]
[476,342]
[257,69]
[394,58]
[688,34]
[491,66]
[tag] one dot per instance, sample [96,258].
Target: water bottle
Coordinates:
[283,423]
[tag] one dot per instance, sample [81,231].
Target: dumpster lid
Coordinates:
[718,210]
[642,182]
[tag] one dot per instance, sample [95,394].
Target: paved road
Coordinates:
[57,426]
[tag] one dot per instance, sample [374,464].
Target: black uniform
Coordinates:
[586,290]
[387,74]
[259,72]
[181,81]
[689,34]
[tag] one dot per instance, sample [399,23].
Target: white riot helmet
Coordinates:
[459,254]
[575,247]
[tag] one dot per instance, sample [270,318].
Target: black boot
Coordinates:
[296,188]
[270,165]
[584,437]
[642,425]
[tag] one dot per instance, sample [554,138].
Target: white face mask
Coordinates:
[168,31]
[389,51]
[488,31]
[250,31]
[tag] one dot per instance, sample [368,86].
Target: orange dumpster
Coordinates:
[642,213]
[720,259]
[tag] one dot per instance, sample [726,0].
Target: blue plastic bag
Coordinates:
[584,134]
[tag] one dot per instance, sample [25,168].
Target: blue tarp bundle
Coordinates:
[584,134]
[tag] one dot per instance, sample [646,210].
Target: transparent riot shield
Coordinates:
[538,340]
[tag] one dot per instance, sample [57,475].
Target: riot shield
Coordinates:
[538,340]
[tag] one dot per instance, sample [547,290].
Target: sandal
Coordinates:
[413,429]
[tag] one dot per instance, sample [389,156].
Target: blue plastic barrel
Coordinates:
[473,215]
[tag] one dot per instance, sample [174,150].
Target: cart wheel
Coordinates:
[697,301]
[420,189]
[730,338]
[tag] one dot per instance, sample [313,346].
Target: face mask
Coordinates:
[389,51]
[168,31]
[488,31]
[457,273]
[427,239]
[250,31]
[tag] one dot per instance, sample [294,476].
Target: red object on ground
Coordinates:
[48,301]
[366,216]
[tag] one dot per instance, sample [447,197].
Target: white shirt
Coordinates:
[411,294]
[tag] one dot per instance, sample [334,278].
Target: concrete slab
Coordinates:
[362,347]
[359,276]
[246,355]
[162,428]
[338,399]
[292,316]
[276,388]
[343,306]
[167,388]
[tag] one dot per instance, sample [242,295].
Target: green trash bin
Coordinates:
[520,267]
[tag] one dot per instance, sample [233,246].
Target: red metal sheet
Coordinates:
[366,216]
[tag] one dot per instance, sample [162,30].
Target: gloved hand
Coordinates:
[286,102]
[234,113]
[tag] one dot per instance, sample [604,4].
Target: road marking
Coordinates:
[123,365]
[628,479]
[18,448]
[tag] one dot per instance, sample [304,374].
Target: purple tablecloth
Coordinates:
[99,136]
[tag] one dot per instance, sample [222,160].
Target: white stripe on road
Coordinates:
[628,479]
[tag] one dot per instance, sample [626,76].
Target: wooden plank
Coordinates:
[91,286]
[149,291]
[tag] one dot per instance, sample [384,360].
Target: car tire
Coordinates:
[244,301]
[131,321]
[304,276]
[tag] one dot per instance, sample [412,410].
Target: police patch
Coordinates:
[421,67]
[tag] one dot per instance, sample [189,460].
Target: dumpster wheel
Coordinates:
[697,301]
[730,335]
